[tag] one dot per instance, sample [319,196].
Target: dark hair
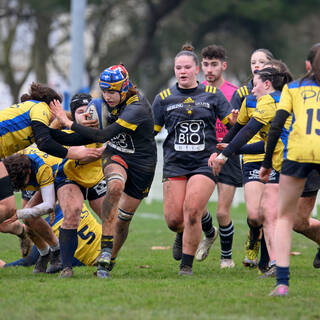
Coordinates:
[188,50]
[214,52]
[18,166]
[277,78]
[79,100]
[313,51]
[314,58]
[267,52]
[40,92]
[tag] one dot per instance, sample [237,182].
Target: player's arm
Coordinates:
[242,137]
[273,137]
[45,207]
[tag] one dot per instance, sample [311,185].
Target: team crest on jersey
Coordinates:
[188,100]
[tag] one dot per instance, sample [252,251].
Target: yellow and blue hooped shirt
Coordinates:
[15,125]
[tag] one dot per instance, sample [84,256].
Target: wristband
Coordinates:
[222,157]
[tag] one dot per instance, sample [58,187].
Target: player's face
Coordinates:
[112,97]
[259,87]
[186,72]
[78,114]
[213,69]
[258,61]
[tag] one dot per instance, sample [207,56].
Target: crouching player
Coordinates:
[89,237]
[35,170]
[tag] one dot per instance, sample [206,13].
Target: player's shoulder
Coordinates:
[164,94]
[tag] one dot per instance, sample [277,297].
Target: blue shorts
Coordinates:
[250,172]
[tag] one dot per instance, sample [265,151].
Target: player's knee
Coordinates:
[301,225]
[116,184]
[72,217]
[174,224]
[222,214]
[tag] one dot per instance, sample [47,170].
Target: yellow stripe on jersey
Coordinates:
[126,124]
[132,99]
[245,114]
[15,125]
[246,90]
[211,89]
[157,128]
[165,93]
[225,119]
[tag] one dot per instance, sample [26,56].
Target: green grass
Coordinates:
[145,283]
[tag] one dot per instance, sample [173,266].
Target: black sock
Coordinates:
[254,233]
[264,255]
[107,243]
[187,260]
[283,275]
[207,227]
[226,238]
[68,239]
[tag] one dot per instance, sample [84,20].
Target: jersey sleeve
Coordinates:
[285,100]
[223,107]
[238,97]
[133,114]
[243,116]
[40,112]
[158,114]
[45,176]
[265,110]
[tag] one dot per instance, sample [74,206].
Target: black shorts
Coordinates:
[298,169]
[250,172]
[231,173]
[312,185]
[6,188]
[138,182]
[93,193]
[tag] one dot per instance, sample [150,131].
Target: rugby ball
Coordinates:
[97,110]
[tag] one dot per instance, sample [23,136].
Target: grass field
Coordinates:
[145,282]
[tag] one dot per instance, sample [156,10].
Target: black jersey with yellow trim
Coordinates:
[135,144]
[189,115]
[240,94]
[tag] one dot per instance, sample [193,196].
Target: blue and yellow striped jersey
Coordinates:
[89,235]
[44,168]
[86,174]
[265,113]
[15,125]
[303,101]
[245,114]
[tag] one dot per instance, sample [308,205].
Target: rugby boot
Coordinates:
[185,271]
[280,290]
[205,245]
[55,263]
[41,264]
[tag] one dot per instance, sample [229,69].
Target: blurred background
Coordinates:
[67,44]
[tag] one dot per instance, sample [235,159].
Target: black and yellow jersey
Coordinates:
[189,115]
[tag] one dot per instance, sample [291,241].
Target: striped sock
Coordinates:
[207,227]
[226,238]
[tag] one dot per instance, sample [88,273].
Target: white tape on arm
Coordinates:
[46,207]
